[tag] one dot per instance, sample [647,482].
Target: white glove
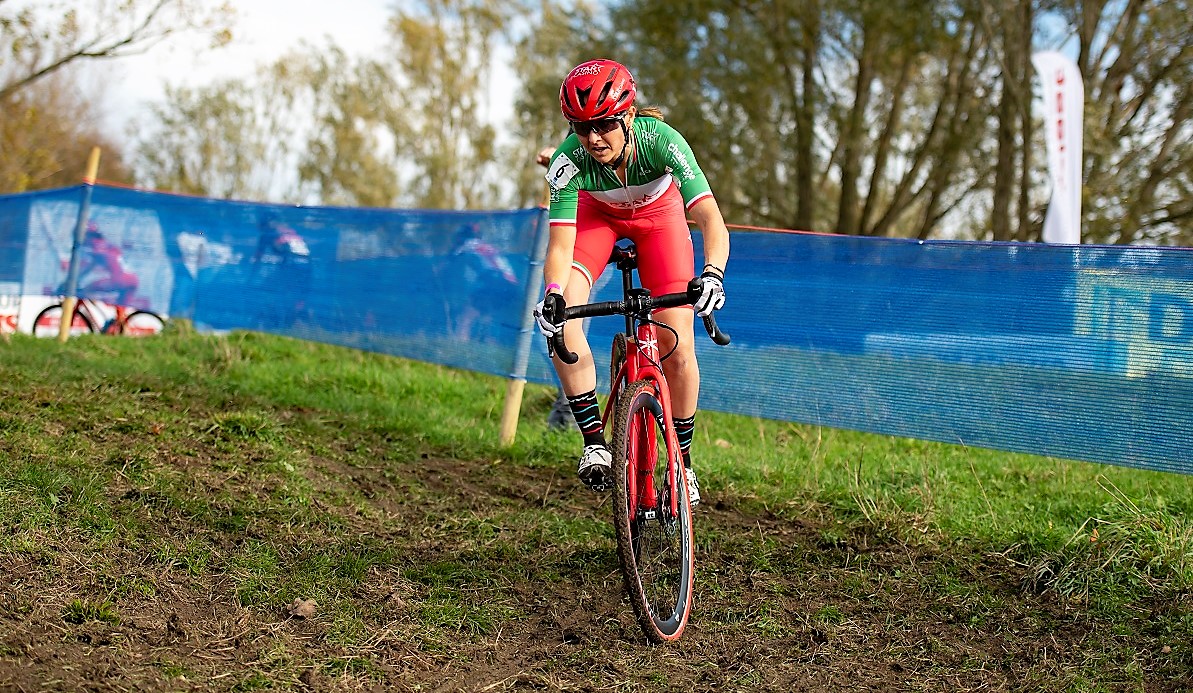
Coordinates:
[712,291]
[547,328]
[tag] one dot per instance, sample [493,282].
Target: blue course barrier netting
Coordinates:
[1081,352]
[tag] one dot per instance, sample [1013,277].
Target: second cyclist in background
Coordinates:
[488,278]
[281,267]
[624,173]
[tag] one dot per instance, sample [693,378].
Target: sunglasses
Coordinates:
[601,127]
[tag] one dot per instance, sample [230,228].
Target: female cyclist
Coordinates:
[624,173]
[101,267]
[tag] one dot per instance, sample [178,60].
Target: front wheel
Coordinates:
[49,320]
[655,544]
[142,323]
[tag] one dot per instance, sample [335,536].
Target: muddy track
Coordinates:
[783,604]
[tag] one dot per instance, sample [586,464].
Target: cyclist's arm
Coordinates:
[707,215]
[87,265]
[564,178]
[557,267]
[87,260]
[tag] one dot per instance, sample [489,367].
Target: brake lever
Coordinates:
[556,344]
[710,326]
[554,309]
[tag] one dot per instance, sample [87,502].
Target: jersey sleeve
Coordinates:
[563,177]
[681,163]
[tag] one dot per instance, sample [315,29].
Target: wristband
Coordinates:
[555,286]
[713,269]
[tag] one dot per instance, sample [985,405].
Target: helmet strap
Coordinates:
[625,131]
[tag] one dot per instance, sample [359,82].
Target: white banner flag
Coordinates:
[1064,106]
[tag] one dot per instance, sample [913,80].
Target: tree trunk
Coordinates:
[1023,75]
[852,135]
[805,120]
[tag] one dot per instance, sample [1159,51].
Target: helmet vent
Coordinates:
[582,96]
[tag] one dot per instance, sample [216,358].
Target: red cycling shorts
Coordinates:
[659,230]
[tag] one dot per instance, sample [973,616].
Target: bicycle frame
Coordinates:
[644,362]
[91,311]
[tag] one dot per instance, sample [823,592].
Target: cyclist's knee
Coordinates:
[682,360]
[679,343]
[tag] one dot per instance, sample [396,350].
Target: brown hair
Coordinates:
[650,112]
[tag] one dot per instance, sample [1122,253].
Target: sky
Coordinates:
[264,30]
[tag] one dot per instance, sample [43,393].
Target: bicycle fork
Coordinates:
[645,455]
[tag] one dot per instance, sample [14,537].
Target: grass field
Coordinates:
[255,513]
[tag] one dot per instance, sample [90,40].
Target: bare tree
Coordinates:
[441,63]
[46,137]
[1009,25]
[44,115]
[36,41]
[1136,58]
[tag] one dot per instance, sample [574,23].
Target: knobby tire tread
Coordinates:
[617,358]
[624,413]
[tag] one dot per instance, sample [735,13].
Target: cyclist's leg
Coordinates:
[579,385]
[665,262]
[596,233]
[683,379]
[681,368]
[561,417]
[594,241]
[124,285]
[580,376]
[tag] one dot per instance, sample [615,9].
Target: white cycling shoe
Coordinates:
[596,467]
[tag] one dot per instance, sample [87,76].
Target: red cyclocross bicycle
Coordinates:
[652,517]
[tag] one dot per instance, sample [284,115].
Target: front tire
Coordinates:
[655,547]
[617,359]
[142,323]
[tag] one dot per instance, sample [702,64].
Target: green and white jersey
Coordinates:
[662,155]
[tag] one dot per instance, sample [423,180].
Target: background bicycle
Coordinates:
[93,315]
[652,515]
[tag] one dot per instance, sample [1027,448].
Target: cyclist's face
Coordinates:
[603,146]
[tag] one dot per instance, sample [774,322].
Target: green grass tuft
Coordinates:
[81,611]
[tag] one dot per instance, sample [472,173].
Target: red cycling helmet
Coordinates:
[595,90]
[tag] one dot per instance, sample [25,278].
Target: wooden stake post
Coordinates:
[72,275]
